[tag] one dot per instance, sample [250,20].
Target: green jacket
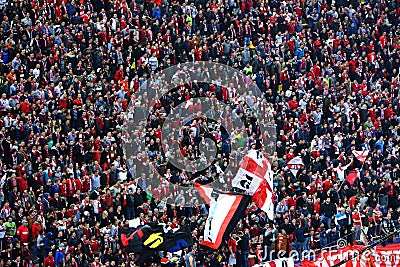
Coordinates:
[11,228]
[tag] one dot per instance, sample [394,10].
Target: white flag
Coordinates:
[361,155]
[295,165]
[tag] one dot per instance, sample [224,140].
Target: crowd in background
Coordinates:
[329,74]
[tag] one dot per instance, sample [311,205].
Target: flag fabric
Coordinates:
[295,165]
[133,240]
[205,192]
[253,169]
[287,262]
[265,199]
[177,240]
[361,155]
[256,177]
[352,177]
[154,238]
[378,256]
[226,209]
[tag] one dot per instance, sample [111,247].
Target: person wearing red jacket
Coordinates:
[25,106]
[119,75]
[22,184]
[23,232]
[49,261]
[383,40]
[94,244]
[70,186]
[36,228]
[388,113]
[293,104]
[78,184]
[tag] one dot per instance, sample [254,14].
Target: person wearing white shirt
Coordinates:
[316,143]
[303,102]
[153,61]
[340,171]
[2,232]
[36,71]
[58,88]
[122,174]
[4,103]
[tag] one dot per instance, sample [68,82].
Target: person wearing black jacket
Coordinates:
[300,243]
[288,227]
[328,209]
[267,241]
[113,175]
[388,225]
[130,205]
[105,178]
[333,236]
[138,198]
[243,247]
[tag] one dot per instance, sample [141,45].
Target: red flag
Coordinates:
[361,155]
[352,177]
[264,199]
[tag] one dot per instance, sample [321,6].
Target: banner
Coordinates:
[253,169]
[388,256]
[287,262]
[147,238]
[254,177]
[225,212]
[205,192]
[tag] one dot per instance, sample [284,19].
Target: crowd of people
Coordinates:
[329,76]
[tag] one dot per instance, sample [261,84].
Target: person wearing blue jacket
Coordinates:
[300,242]
[156,13]
[59,255]
[299,52]
[5,55]
[48,242]
[226,146]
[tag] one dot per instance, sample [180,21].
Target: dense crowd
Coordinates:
[329,74]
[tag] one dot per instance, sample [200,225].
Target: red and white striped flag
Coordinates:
[361,155]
